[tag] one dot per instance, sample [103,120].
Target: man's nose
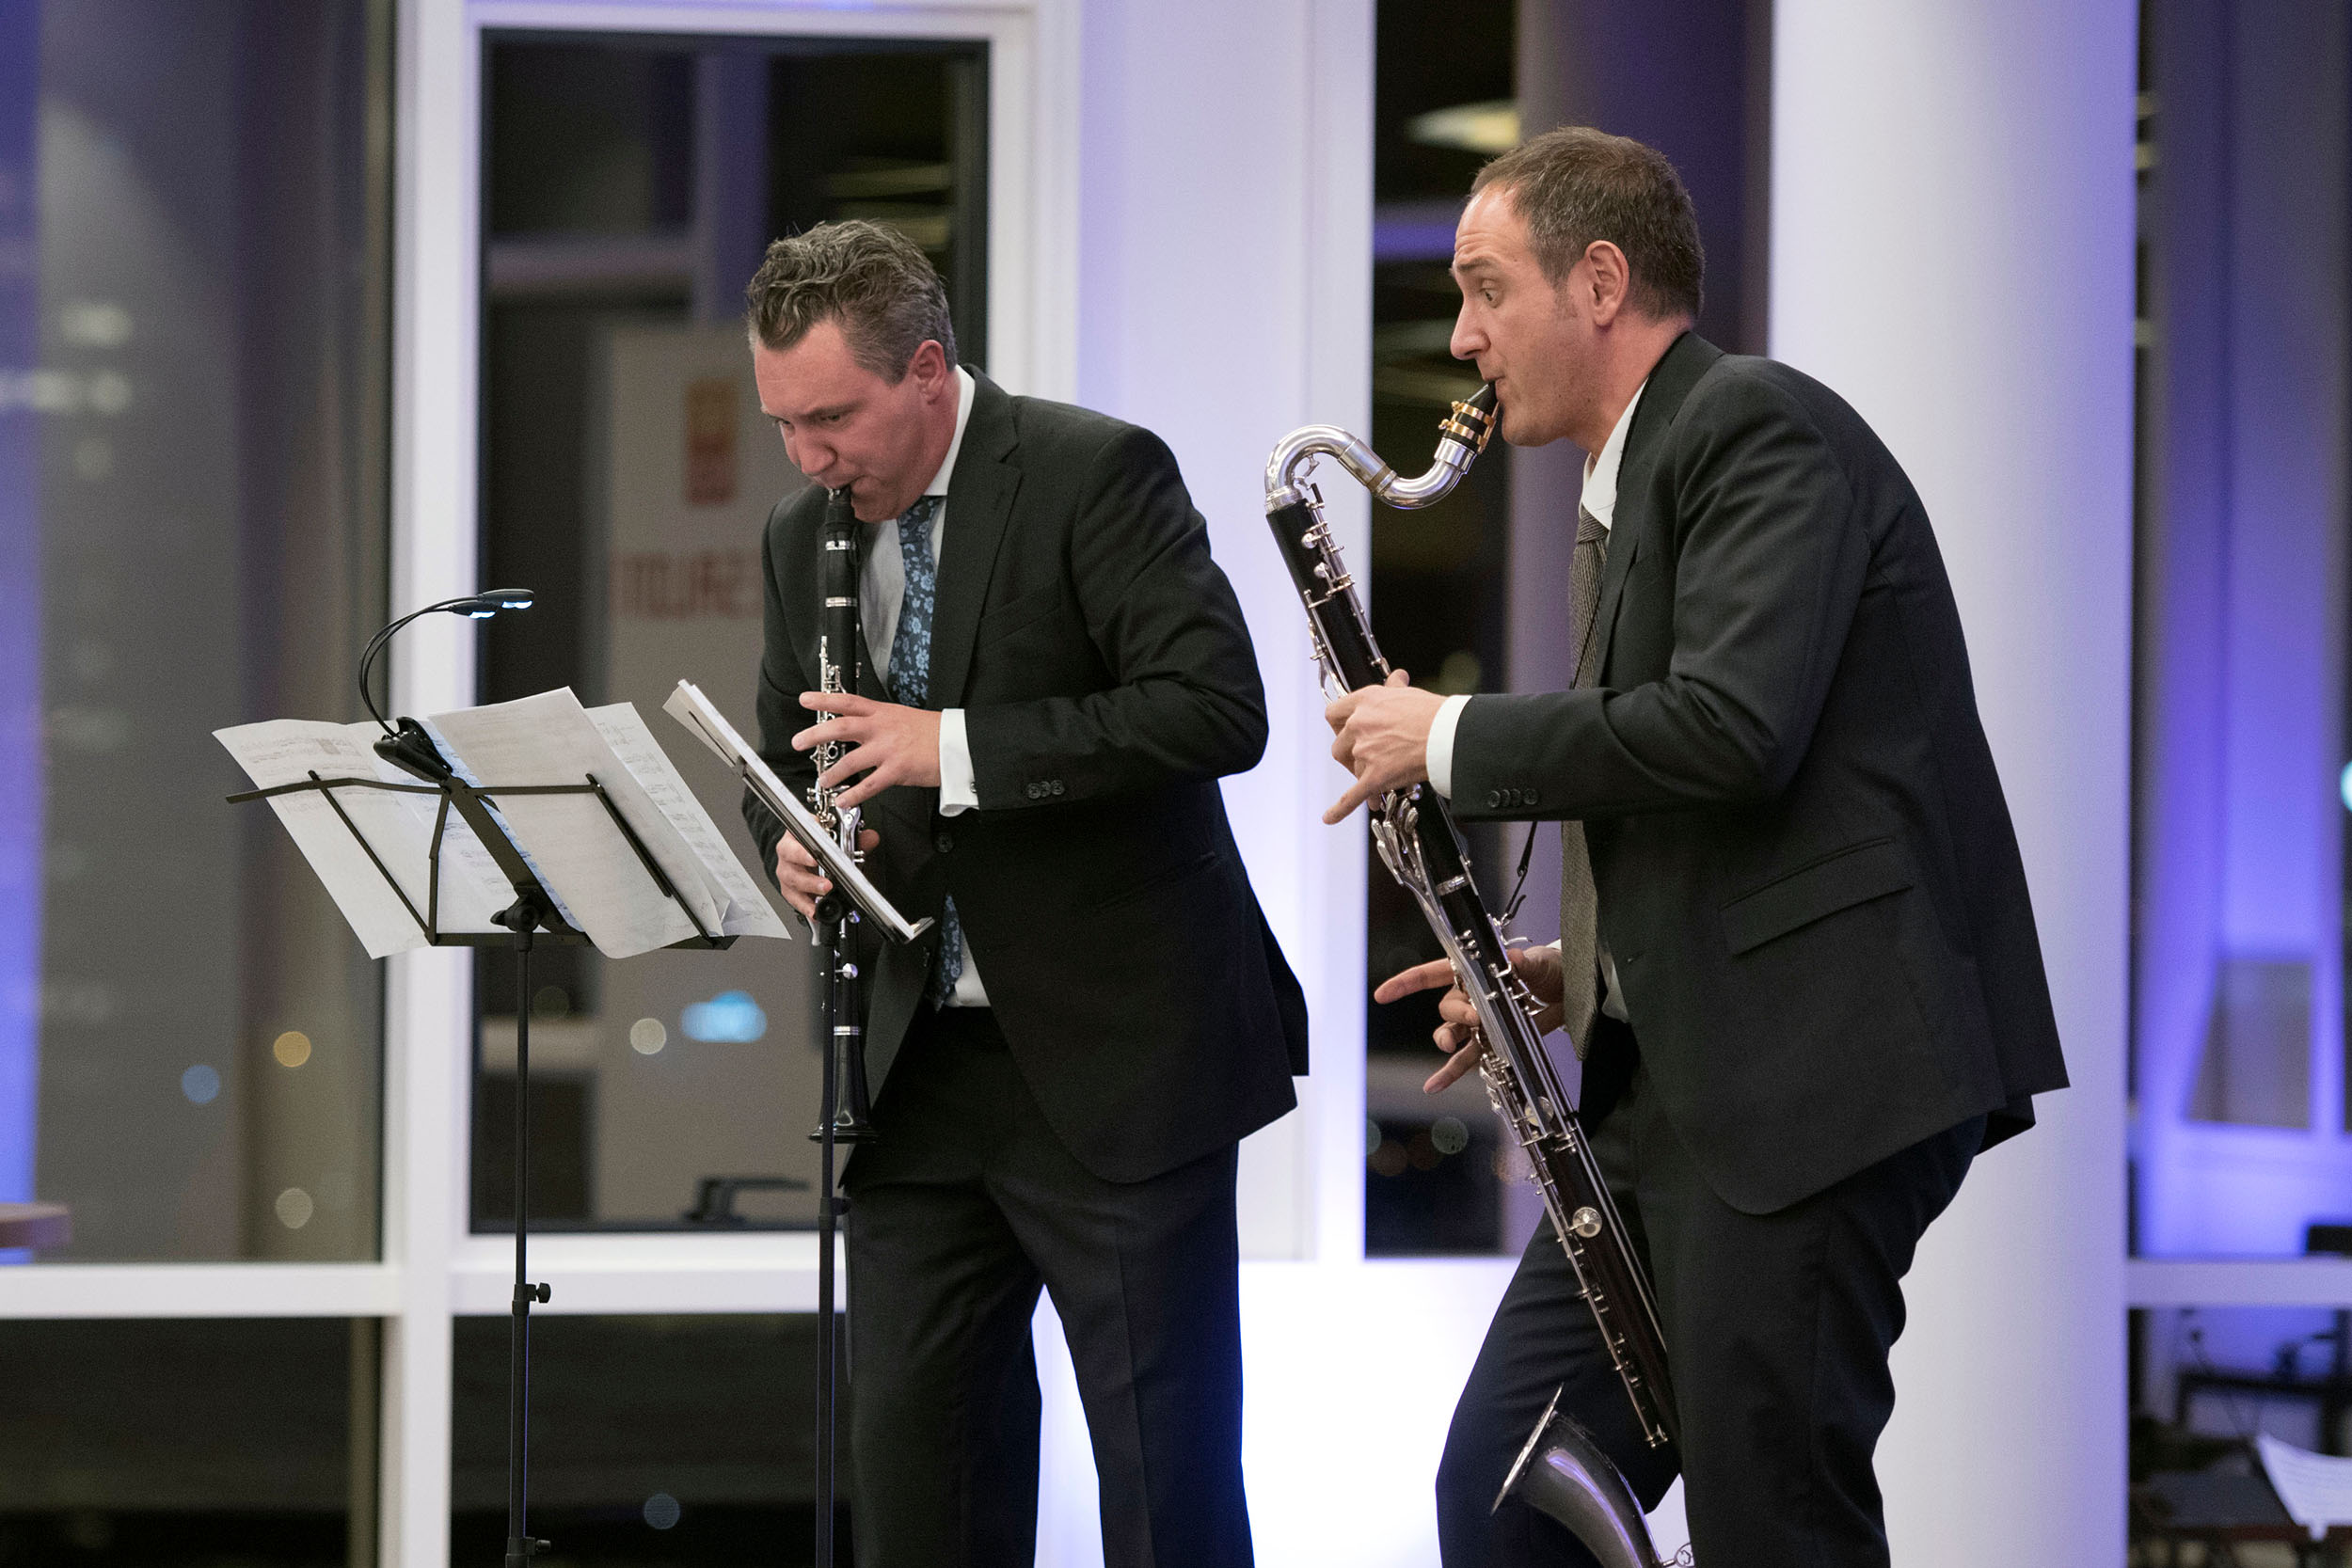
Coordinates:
[811,457]
[1467,340]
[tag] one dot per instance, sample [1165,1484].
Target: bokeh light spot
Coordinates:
[647,1036]
[200,1084]
[292,1049]
[294,1208]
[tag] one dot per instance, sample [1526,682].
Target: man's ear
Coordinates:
[1611,280]
[930,365]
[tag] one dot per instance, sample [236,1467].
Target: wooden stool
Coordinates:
[35,1225]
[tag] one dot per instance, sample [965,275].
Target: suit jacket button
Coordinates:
[1057,786]
[1494,800]
[1533,799]
[1032,792]
[944,843]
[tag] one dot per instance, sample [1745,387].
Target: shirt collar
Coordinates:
[1600,469]
[965,387]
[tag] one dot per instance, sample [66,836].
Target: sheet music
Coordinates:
[690,707]
[2316,1488]
[573,843]
[748,911]
[399,826]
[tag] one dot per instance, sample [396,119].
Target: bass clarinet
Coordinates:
[1562,1471]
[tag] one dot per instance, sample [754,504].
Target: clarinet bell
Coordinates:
[855,1121]
[852,1115]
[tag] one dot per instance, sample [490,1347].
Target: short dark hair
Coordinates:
[1576,184]
[872,279]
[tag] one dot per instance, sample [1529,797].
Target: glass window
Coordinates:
[2238,1064]
[172,1444]
[631,188]
[194,209]
[669,1440]
[1436,1173]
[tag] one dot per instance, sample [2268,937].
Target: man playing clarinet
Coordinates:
[1058,675]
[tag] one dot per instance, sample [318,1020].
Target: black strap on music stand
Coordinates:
[533,915]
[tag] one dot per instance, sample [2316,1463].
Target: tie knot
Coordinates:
[1588,528]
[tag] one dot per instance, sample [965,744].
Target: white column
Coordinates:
[1952,237]
[428,995]
[1225,295]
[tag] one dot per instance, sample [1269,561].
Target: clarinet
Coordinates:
[1562,1471]
[839,653]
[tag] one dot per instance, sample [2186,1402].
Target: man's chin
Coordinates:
[1521,431]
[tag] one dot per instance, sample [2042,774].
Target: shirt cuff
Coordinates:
[959,791]
[1437,755]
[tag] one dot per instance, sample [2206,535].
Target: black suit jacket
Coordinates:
[1108,682]
[1806,867]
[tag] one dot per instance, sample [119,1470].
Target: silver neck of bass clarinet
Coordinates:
[1460,438]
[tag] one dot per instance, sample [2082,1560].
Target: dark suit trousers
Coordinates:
[959,1212]
[1777,1330]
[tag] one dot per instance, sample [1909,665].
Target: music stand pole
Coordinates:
[522,918]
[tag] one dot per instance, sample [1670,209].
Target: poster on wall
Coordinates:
[705,1065]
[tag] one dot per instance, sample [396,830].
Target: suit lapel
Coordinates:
[979,505]
[1677,372]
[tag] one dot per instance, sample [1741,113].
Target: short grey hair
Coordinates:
[1575,186]
[873,280]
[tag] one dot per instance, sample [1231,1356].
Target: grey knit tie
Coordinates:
[1580,910]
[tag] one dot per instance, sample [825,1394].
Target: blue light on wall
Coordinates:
[20,603]
[730,1018]
[200,1084]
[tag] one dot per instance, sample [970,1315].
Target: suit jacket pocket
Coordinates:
[1869,870]
[1159,882]
[1017,614]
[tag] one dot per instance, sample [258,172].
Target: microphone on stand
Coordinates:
[405,743]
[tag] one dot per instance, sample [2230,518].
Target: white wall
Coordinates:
[1225,297]
[1953,233]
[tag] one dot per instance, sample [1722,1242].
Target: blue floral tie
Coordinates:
[910,686]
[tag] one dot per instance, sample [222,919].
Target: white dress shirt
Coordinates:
[1599,497]
[881,586]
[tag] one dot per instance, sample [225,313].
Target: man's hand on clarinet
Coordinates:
[797,875]
[1383,738]
[893,745]
[1457,1037]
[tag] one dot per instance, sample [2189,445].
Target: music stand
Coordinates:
[534,910]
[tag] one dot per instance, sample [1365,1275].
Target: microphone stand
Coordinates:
[830,841]
[832,922]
